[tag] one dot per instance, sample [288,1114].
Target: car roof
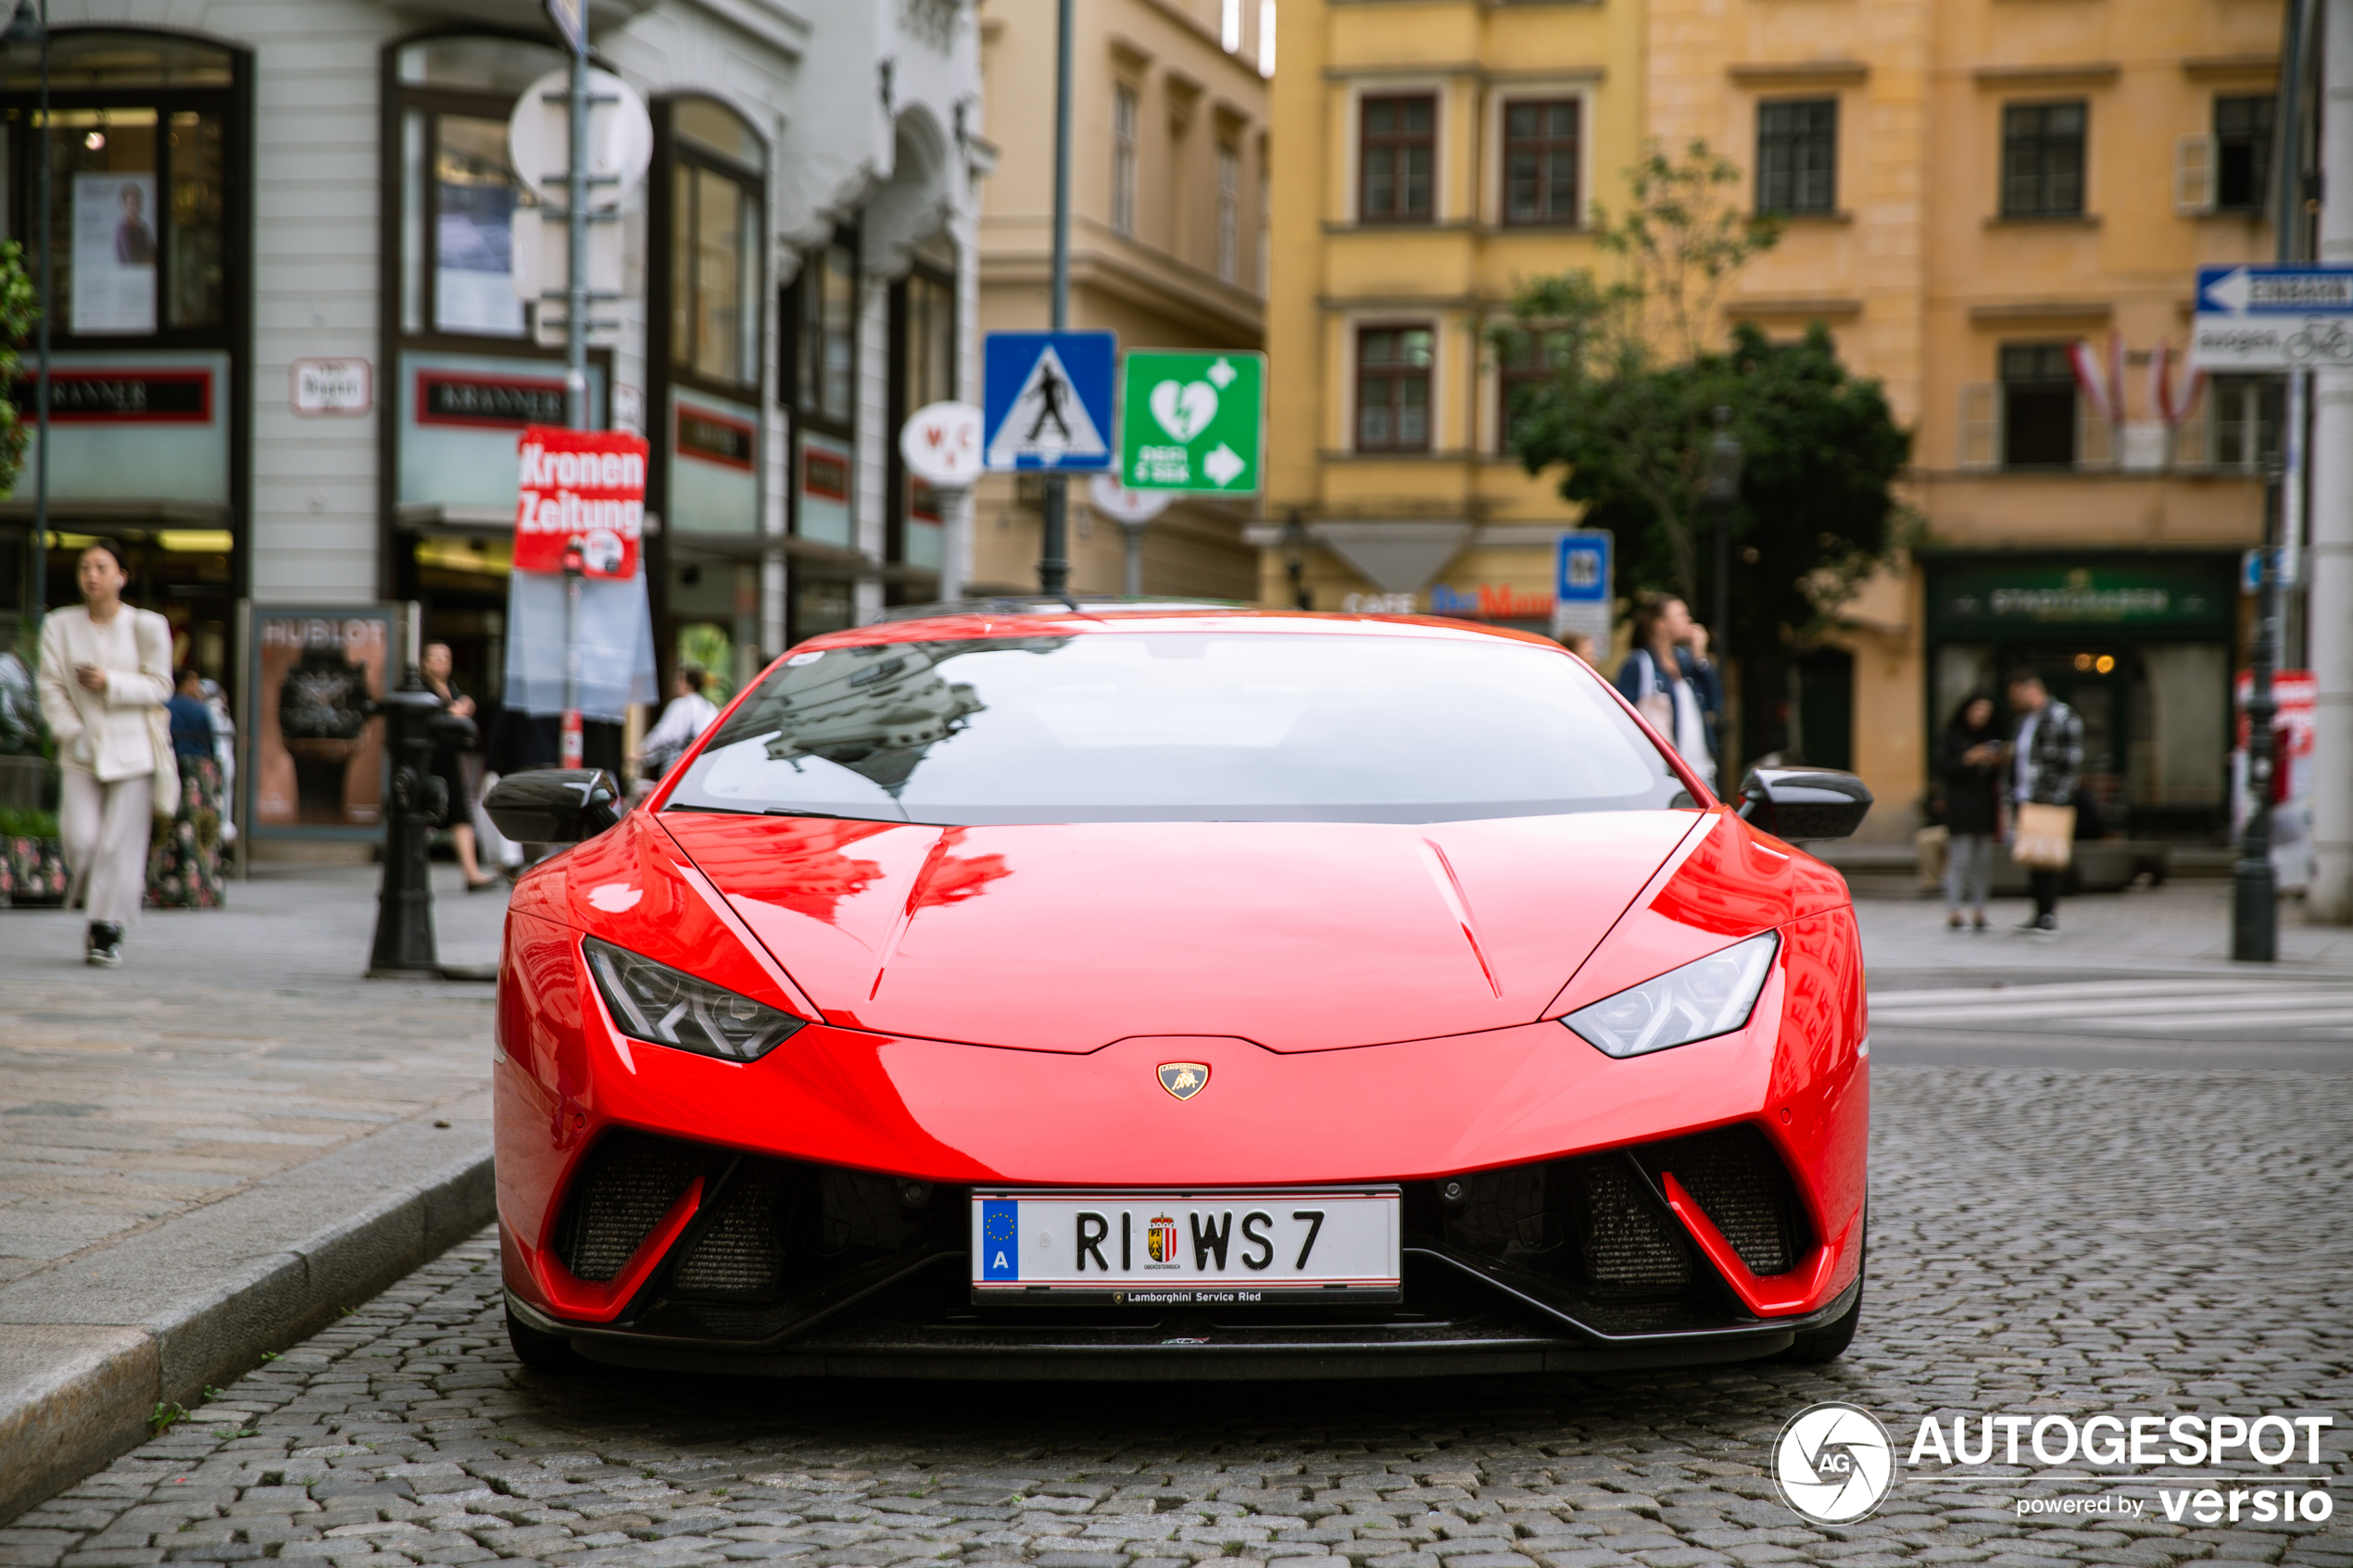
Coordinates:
[1036,617]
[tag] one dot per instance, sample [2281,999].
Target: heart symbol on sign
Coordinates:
[1184,412]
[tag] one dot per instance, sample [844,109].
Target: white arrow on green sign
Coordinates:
[1191,422]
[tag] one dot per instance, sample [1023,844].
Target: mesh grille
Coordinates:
[1502,1214]
[740,1255]
[1734,1175]
[859,1212]
[630,1181]
[1628,1242]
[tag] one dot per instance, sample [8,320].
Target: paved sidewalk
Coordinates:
[232,1044]
[2181,928]
[209,1151]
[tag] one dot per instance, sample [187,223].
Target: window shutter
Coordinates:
[2193,174]
[1981,447]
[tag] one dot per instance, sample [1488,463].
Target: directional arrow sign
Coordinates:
[2272,318]
[1192,422]
[1047,399]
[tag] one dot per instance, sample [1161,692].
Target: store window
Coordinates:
[145,233]
[924,346]
[1392,389]
[715,233]
[2038,406]
[139,194]
[2242,152]
[1396,152]
[1541,161]
[2043,159]
[459,193]
[1797,156]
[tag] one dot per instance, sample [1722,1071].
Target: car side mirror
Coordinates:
[554,805]
[1799,803]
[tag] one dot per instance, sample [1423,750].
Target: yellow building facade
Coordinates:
[1428,156]
[1972,188]
[1169,153]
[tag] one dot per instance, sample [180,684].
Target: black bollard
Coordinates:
[414,723]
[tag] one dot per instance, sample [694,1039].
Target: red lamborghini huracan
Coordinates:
[1142,991]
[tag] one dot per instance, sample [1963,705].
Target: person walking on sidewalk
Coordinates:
[682,725]
[2047,761]
[105,672]
[1968,762]
[184,871]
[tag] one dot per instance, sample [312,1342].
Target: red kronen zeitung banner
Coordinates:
[584,484]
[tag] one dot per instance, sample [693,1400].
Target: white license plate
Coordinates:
[1186,1249]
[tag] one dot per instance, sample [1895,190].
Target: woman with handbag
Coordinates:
[105,673]
[1670,681]
[2046,756]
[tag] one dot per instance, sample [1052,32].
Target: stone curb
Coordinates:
[88,1349]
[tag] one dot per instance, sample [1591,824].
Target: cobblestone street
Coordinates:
[2044,1242]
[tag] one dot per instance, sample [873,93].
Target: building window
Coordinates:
[2038,406]
[1124,117]
[924,343]
[825,330]
[1529,359]
[1395,157]
[2242,417]
[458,195]
[1392,389]
[2043,160]
[1229,211]
[1540,162]
[715,237]
[2242,152]
[1797,156]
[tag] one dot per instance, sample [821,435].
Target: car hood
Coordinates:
[1067,938]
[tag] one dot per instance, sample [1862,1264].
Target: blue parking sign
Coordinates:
[1581,574]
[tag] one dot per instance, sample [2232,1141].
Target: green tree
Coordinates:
[18,311]
[1628,414]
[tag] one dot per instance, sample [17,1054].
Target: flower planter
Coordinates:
[32,871]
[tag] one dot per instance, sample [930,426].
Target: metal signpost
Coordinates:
[1192,422]
[2290,316]
[1134,512]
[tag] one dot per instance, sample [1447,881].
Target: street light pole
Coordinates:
[1053,559]
[2254,906]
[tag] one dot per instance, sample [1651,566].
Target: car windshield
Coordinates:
[1180,726]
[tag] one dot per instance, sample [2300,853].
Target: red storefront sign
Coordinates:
[583,485]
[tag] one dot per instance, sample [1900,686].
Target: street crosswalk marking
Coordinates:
[2215,1005]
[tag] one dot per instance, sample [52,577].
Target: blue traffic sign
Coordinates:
[1581,569]
[2281,289]
[1046,400]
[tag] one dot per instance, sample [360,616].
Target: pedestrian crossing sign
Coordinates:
[1046,400]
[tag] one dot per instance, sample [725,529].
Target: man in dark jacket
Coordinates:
[2047,763]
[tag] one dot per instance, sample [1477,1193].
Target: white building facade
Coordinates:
[290,362]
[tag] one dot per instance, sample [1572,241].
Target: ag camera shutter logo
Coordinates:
[1834,1463]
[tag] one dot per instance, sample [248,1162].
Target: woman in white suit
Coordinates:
[105,669]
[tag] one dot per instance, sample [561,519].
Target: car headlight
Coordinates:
[1711,996]
[667,1007]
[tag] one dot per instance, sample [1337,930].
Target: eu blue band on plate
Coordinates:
[999,1238]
